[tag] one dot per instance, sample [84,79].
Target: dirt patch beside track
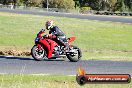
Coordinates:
[15,53]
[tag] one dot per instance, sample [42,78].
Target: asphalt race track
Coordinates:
[19,65]
[89,17]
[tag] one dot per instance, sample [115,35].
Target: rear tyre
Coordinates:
[75,54]
[38,54]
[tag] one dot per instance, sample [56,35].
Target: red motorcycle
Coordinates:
[45,48]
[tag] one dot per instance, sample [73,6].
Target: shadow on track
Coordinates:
[28,58]
[19,58]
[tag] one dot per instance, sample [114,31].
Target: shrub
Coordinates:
[84,9]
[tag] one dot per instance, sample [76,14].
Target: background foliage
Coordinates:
[99,5]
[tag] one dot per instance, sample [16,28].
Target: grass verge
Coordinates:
[38,81]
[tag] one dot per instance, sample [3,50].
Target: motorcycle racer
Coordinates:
[54,45]
[56,34]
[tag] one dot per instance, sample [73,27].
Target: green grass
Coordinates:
[33,81]
[97,39]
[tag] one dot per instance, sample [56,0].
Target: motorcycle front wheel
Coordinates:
[38,54]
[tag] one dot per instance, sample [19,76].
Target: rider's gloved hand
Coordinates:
[47,36]
[52,36]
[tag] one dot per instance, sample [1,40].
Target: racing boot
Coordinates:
[66,47]
[56,54]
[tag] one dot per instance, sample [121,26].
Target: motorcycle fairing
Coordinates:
[49,45]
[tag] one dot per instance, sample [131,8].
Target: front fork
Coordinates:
[39,46]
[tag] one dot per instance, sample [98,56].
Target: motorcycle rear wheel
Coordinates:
[74,56]
[37,54]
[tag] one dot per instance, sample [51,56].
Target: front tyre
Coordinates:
[38,54]
[74,54]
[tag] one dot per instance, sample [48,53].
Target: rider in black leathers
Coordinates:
[60,36]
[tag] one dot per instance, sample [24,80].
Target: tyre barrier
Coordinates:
[113,13]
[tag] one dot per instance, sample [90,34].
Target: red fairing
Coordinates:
[52,44]
[49,44]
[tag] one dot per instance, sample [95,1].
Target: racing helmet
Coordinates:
[49,24]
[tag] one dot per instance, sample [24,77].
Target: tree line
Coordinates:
[98,5]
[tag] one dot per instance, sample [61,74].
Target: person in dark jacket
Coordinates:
[60,36]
